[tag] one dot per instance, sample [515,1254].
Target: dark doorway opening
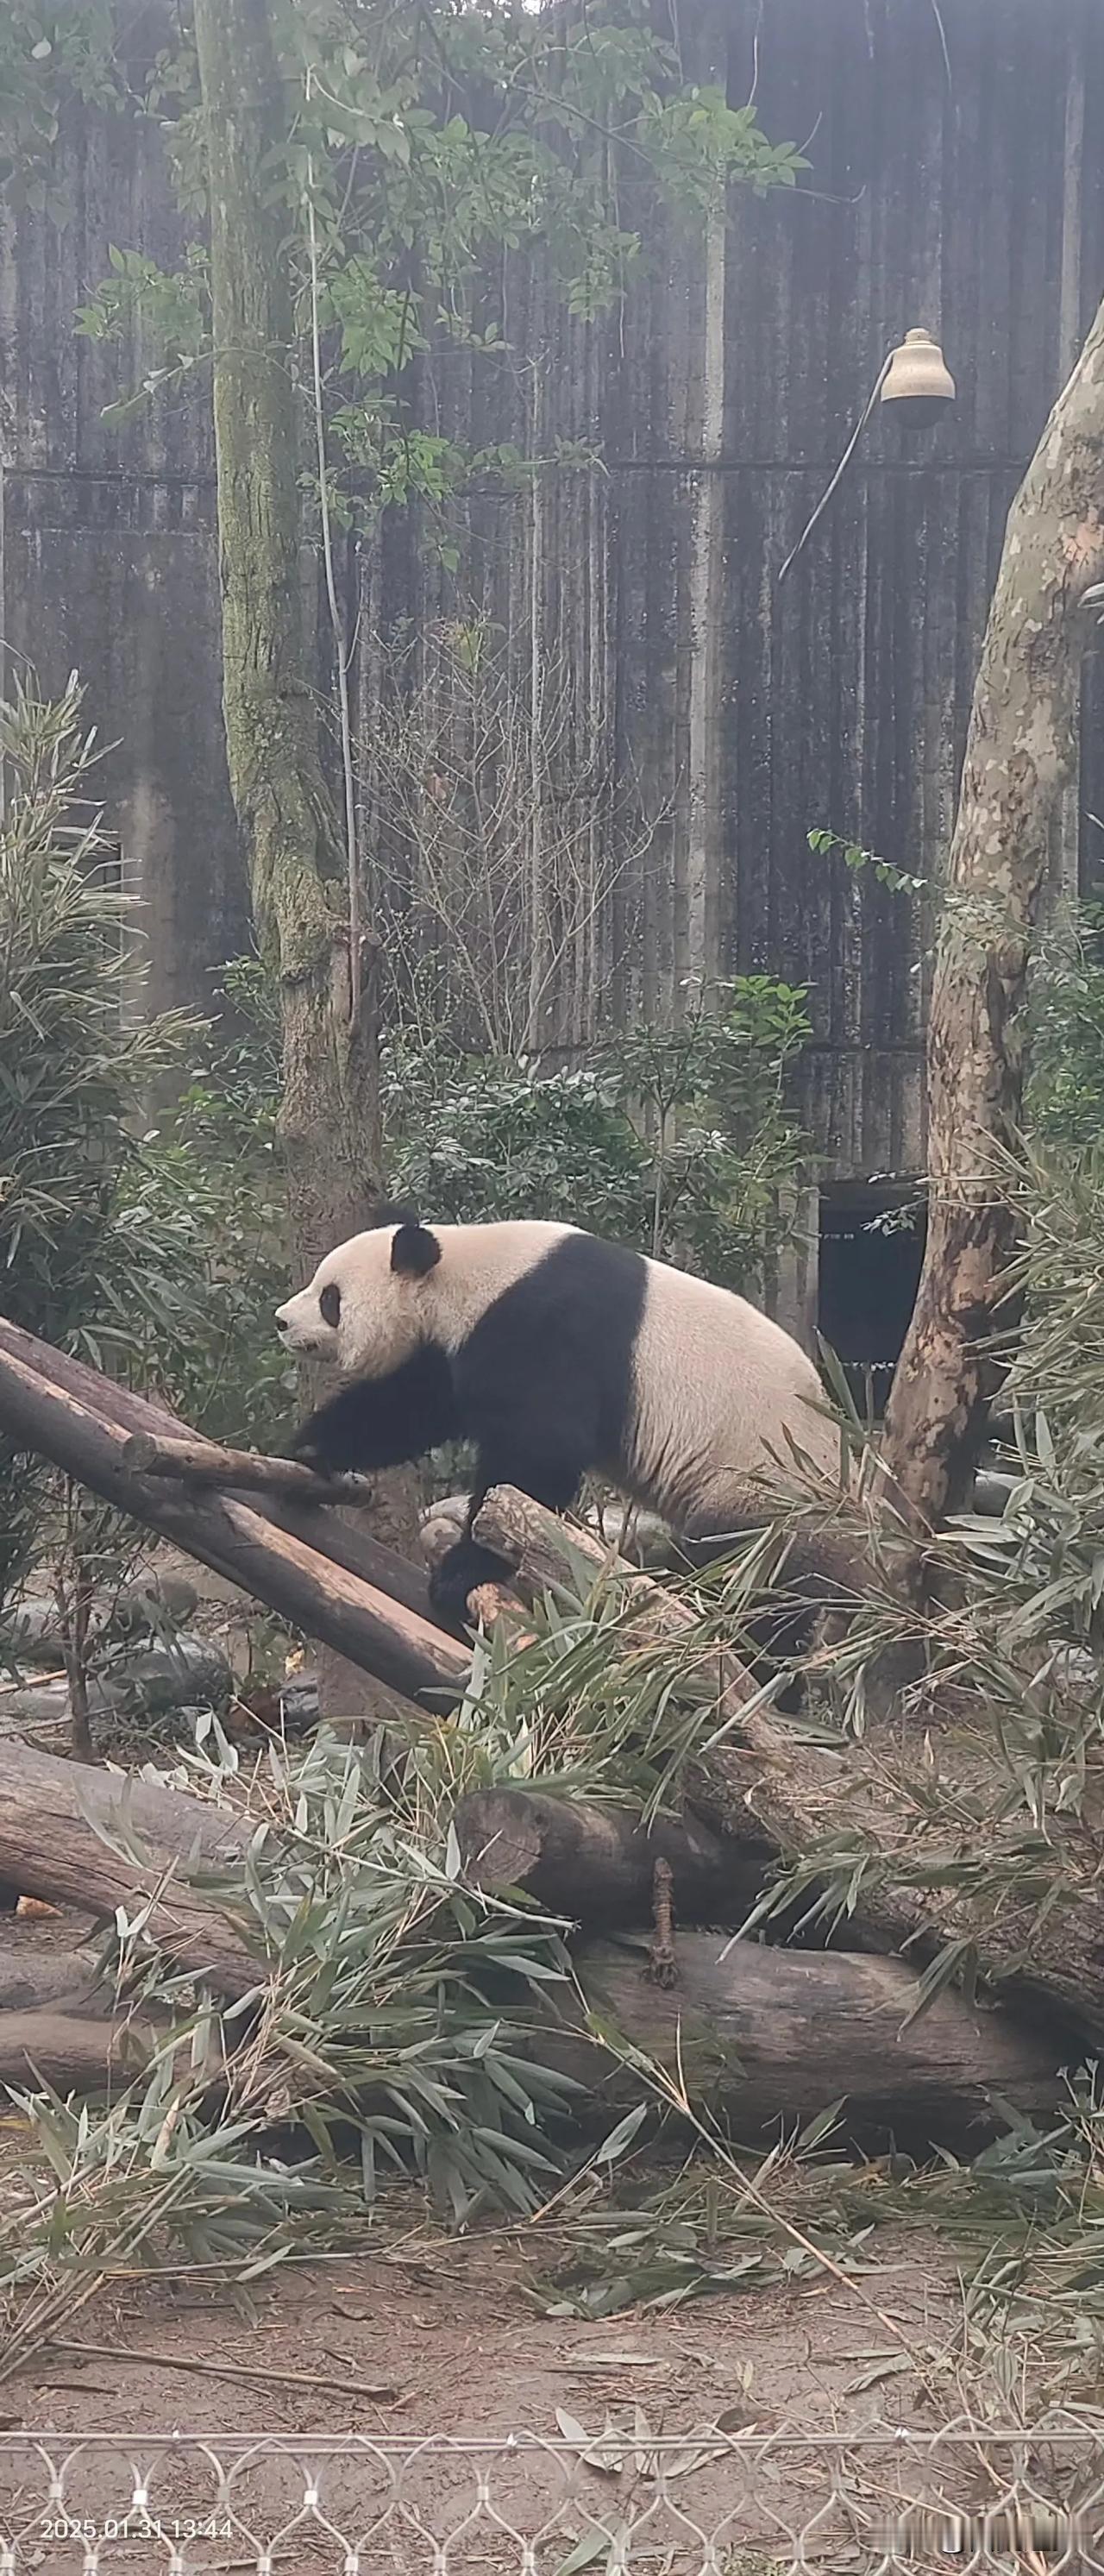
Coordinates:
[871,1251]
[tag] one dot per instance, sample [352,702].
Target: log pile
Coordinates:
[763,2032]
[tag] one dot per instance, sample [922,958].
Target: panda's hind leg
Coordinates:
[552,1477]
[459,1574]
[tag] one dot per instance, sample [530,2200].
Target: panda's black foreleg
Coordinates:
[382,1422]
[552,1478]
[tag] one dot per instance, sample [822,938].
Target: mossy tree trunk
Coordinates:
[1020,754]
[289,823]
[330,1119]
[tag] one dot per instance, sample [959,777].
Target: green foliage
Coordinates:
[215,1159]
[857,859]
[712,1096]
[93,1255]
[678,1141]
[50,50]
[77,1063]
[153,1249]
[1064,1095]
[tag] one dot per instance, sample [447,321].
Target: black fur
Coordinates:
[382,1422]
[415,1251]
[543,1387]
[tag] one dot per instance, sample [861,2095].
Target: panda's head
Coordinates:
[365,1310]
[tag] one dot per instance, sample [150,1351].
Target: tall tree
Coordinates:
[290,827]
[1021,753]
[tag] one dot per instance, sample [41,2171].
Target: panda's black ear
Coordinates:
[414,1252]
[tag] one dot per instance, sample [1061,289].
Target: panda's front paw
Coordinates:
[461,1571]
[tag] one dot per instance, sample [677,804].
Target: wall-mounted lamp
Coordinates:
[915,378]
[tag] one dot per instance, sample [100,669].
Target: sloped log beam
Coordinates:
[290,1576]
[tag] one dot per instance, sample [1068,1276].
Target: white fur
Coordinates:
[384,1316]
[723,1396]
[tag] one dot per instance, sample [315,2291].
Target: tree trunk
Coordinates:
[596,1864]
[761,2037]
[48,1842]
[1020,754]
[72,2054]
[328,1533]
[328,976]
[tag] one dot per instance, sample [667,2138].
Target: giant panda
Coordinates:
[555,1353]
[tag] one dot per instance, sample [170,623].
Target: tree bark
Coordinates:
[72,2054]
[872,1799]
[49,1844]
[293,1577]
[596,1864]
[325,1531]
[41,1981]
[1020,754]
[762,2037]
[190,1461]
[299,868]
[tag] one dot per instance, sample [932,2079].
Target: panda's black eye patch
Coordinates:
[329,1304]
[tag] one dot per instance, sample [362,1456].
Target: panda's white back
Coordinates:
[723,1396]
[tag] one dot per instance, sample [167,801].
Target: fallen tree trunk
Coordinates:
[759,2039]
[50,1844]
[597,1864]
[763,2036]
[287,1573]
[40,1981]
[1036,1935]
[71,2054]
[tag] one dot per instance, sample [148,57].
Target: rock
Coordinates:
[151,1604]
[182,1672]
[31,1632]
[40,1704]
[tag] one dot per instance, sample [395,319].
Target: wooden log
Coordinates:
[238,1471]
[72,2054]
[354,1549]
[49,1843]
[801,1793]
[38,1981]
[360,1622]
[596,1864]
[762,2040]
[765,2036]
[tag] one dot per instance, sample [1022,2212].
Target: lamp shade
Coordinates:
[918,377]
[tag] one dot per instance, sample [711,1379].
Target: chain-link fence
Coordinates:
[626,2503]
